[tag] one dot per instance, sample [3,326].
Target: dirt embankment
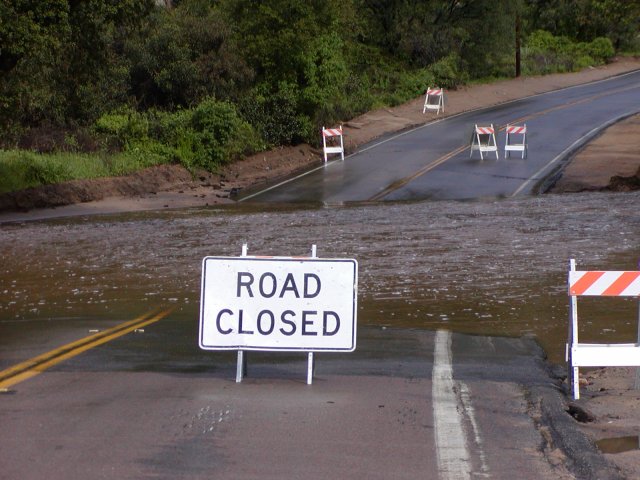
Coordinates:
[614,154]
[610,162]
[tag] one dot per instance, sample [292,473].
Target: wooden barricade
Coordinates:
[598,283]
[434,100]
[483,139]
[514,144]
[328,133]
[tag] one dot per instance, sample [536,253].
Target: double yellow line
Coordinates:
[30,368]
[403,181]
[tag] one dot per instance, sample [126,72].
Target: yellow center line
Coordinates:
[403,181]
[439,161]
[30,368]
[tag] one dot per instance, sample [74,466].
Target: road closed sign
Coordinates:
[278,304]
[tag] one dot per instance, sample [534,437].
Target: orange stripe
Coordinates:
[623,281]
[329,132]
[588,279]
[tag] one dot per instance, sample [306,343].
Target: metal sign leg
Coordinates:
[241,366]
[311,366]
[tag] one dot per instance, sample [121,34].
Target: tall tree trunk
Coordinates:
[517,45]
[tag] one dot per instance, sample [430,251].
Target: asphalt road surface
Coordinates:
[434,161]
[407,404]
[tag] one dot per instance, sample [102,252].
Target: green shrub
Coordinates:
[21,169]
[220,134]
[545,53]
[414,83]
[41,170]
[275,114]
[125,125]
[447,72]
[601,49]
[207,136]
[12,171]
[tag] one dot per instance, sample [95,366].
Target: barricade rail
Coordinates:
[513,145]
[329,133]
[434,100]
[598,283]
[483,139]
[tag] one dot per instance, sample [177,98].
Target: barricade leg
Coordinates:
[637,383]
[241,366]
[574,379]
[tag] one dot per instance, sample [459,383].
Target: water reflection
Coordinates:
[619,444]
[494,267]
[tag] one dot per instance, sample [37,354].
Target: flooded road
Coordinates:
[490,267]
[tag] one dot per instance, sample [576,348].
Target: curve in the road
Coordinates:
[396,168]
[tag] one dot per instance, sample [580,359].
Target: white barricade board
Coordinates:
[278,304]
[599,284]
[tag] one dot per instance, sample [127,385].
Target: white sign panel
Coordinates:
[278,304]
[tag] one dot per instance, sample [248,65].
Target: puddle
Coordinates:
[619,444]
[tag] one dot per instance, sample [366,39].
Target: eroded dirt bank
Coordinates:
[610,162]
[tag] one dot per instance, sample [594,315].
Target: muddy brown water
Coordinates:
[494,267]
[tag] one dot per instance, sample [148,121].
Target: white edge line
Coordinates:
[465,397]
[433,122]
[562,154]
[451,446]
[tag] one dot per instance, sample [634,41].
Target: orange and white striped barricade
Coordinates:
[598,283]
[512,144]
[328,133]
[484,140]
[434,100]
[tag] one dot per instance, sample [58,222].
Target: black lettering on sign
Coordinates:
[274,285]
[306,323]
[289,285]
[272,322]
[286,321]
[240,327]
[325,323]
[268,285]
[244,283]
[307,285]
[218,322]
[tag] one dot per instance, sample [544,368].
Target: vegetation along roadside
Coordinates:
[121,87]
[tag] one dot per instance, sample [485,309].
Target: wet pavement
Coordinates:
[148,406]
[433,161]
[152,404]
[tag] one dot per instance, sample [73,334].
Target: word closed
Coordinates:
[287,304]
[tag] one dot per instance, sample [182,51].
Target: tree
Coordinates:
[584,20]
[184,55]
[60,60]
[27,26]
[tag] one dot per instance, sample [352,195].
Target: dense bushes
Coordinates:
[206,136]
[545,53]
